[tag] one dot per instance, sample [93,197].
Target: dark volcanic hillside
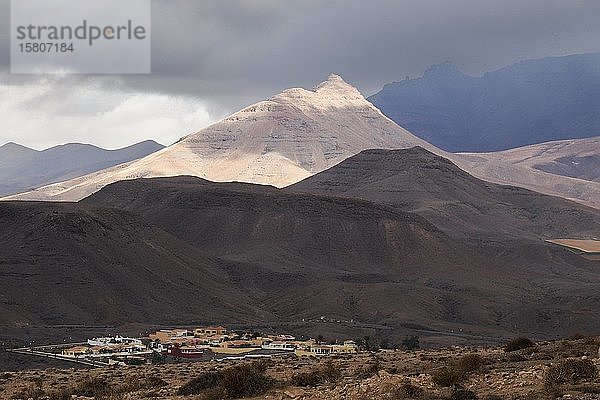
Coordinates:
[294,232]
[418,181]
[71,264]
[304,256]
[533,101]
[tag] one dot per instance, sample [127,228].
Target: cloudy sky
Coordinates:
[211,57]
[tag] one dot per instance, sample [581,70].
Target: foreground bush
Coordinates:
[518,344]
[458,371]
[244,380]
[463,394]
[61,394]
[469,363]
[448,376]
[206,380]
[571,371]
[31,392]
[92,387]
[408,391]
[369,369]
[411,343]
[327,373]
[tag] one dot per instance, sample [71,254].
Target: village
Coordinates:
[201,344]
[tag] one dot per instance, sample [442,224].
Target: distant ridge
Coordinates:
[22,168]
[530,102]
[419,181]
[575,158]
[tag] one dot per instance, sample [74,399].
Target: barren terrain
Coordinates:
[544,371]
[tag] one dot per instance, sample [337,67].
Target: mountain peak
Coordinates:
[14,146]
[442,70]
[335,84]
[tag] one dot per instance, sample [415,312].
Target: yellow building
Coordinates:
[169,335]
[326,349]
[76,351]
[210,331]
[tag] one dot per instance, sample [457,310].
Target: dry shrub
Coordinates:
[463,394]
[448,376]
[457,371]
[244,380]
[575,336]
[369,370]
[34,392]
[327,373]
[571,371]
[516,357]
[135,383]
[519,343]
[204,381]
[61,394]
[93,387]
[470,363]
[408,391]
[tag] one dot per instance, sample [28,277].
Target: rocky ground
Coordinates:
[566,369]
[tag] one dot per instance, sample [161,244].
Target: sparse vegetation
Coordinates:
[136,383]
[93,387]
[239,381]
[367,343]
[571,371]
[369,369]
[33,391]
[470,363]
[327,373]
[448,376]
[555,369]
[411,343]
[457,371]
[206,380]
[575,336]
[60,394]
[408,391]
[519,343]
[463,394]
[245,380]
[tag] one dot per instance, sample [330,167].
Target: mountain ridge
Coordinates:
[23,168]
[529,102]
[293,135]
[416,180]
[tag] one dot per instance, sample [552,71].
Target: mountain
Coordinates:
[186,250]
[530,102]
[278,142]
[296,134]
[22,168]
[419,181]
[576,158]
[303,255]
[64,263]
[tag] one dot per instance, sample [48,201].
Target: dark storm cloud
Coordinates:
[263,46]
[230,53]
[228,48]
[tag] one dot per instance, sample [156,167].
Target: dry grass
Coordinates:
[519,343]
[327,373]
[244,380]
[571,371]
